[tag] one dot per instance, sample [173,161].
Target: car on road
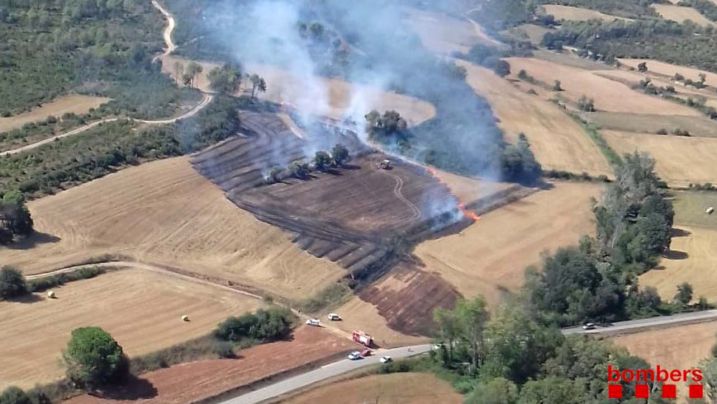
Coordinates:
[334,317]
[589,326]
[366,352]
[385,359]
[355,355]
[315,322]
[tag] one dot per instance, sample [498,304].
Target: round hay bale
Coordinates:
[710,210]
[51,294]
[185,318]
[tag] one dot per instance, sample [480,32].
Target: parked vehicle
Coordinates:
[334,317]
[355,355]
[315,322]
[386,359]
[589,326]
[362,338]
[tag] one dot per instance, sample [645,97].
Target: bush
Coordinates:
[12,283]
[48,282]
[224,350]
[14,395]
[93,358]
[264,325]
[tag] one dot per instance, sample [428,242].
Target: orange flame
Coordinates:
[461,205]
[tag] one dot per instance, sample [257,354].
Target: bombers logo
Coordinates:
[642,377]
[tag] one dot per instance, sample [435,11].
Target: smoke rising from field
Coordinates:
[382,52]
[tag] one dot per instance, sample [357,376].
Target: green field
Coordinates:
[690,208]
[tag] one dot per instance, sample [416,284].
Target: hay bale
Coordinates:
[185,318]
[710,210]
[51,294]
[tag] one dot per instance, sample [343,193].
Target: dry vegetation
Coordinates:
[681,14]
[195,381]
[669,70]
[680,160]
[697,125]
[577,14]
[166,213]
[441,33]
[77,104]
[332,97]
[141,309]
[558,142]
[609,95]
[396,388]
[490,256]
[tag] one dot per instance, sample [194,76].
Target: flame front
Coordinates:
[461,205]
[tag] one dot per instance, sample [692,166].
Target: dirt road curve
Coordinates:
[206,99]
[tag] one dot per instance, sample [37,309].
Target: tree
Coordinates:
[501,68]
[551,390]
[557,86]
[340,154]
[472,317]
[15,218]
[225,79]
[299,169]
[448,332]
[93,358]
[642,67]
[257,83]
[495,391]
[586,104]
[684,293]
[14,395]
[193,68]
[322,161]
[12,283]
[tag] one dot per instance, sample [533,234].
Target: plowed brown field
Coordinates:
[141,309]
[558,142]
[164,212]
[194,381]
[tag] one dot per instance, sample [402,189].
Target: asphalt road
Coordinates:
[323,373]
[637,325]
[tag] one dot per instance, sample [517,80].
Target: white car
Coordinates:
[385,359]
[334,317]
[313,322]
[355,355]
[589,326]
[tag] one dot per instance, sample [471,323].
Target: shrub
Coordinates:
[224,350]
[14,395]
[93,358]
[12,283]
[265,325]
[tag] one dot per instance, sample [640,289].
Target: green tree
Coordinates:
[586,104]
[448,332]
[257,83]
[472,317]
[684,293]
[551,390]
[12,283]
[340,154]
[299,169]
[225,79]
[14,395]
[495,391]
[93,358]
[15,218]
[322,161]
[642,67]
[193,68]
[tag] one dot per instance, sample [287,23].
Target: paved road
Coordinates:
[637,325]
[323,373]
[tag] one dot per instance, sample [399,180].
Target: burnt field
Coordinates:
[351,215]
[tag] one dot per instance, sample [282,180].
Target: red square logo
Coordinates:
[614,391]
[642,391]
[696,391]
[669,391]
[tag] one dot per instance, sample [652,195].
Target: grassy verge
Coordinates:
[51,281]
[332,295]
[612,157]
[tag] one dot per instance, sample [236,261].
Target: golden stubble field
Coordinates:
[680,160]
[490,257]
[558,142]
[681,14]
[141,309]
[164,212]
[74,103]
[396,388]
[578,14]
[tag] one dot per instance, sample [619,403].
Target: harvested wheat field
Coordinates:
[609,95]
[196,381]
[441,33]
[559,143]
[398,309]
[669,70]
[531,32]
[698,126]
[75,103]
[166,213]
[691,208]
[681,14]
[680,347]
[141,309]
[175,67]
[569,13]
[490,257]
[680,160]
[691,259]
[396,388]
